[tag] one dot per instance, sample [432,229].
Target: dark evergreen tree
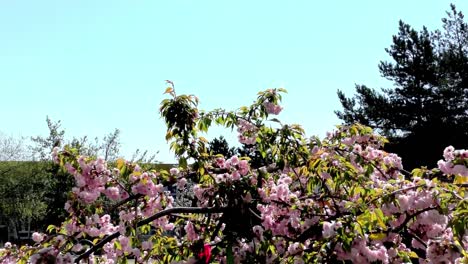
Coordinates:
[220,146]
[427,109]
[256,159]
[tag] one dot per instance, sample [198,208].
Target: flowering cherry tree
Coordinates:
[337,200]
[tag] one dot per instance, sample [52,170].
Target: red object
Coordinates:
[206,253]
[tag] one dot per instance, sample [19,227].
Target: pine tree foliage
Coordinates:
[429,100]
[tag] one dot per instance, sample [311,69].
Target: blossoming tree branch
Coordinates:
[337,200]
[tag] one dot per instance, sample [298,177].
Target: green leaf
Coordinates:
[460,179]
[201,170]
[282,90]
[275,120]
[229,255]
[117,245]
[169,90]
[183,162]
[380,218]
[377,236]
[50,228]
[120,163]
[310,186]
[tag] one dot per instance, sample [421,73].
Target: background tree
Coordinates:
[111,145]
[33,189]
[23,201]
[60,182]
[429,102]
[22,188]
[42,146]
[219,145]
[12,148]
[254,155]
[144,157]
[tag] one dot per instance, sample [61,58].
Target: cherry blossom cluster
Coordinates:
[247,132]
[272,108]
[414,215]
[91,178]
[235,169]
[454,162]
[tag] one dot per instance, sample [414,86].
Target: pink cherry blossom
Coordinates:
[37,237]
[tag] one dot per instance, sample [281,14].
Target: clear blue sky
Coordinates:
[100,65]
